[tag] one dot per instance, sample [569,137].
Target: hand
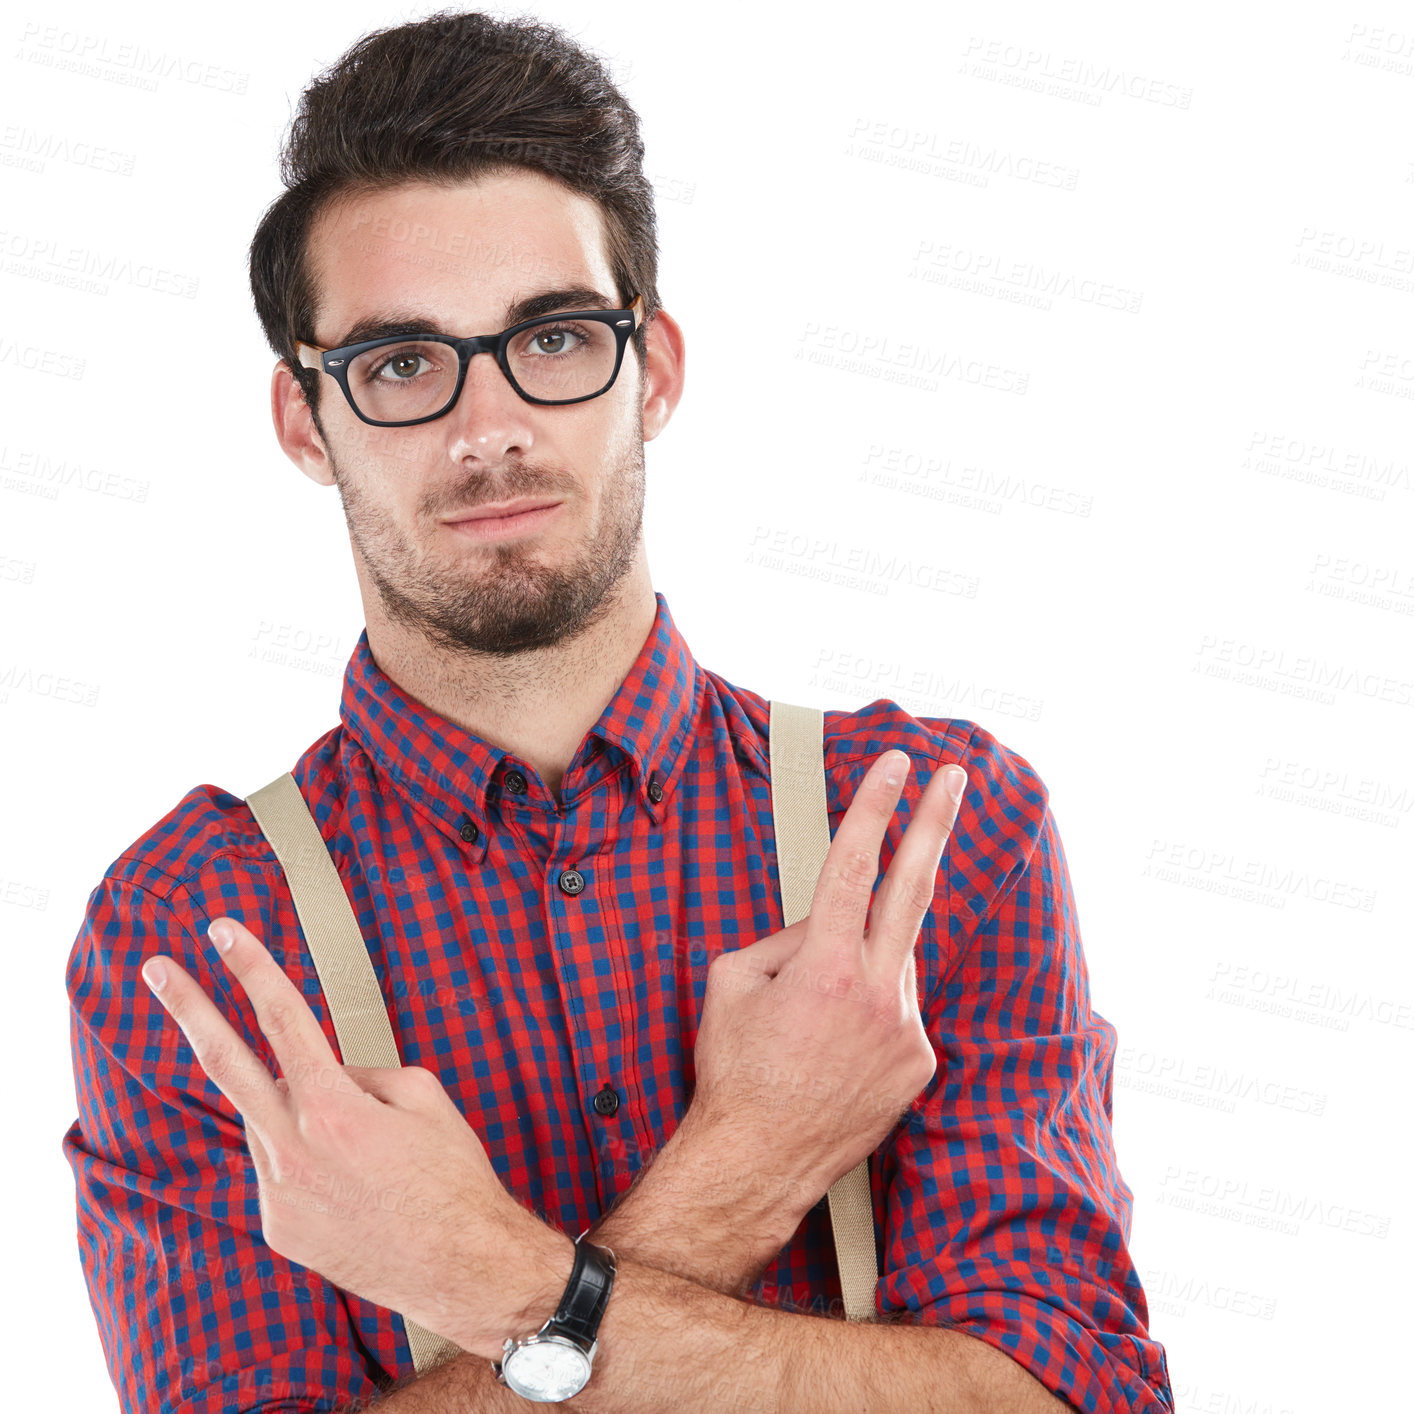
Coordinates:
[811,1043]
[368,1175]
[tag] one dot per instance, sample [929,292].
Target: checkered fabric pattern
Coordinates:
[538,955]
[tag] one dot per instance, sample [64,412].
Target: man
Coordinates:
[555,829]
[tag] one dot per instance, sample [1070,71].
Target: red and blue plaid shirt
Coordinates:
[548,963]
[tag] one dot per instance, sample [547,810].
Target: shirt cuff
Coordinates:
[1097,1371]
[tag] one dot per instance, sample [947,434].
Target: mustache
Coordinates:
[514,488]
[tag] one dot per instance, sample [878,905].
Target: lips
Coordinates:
[504,508]
[490,527]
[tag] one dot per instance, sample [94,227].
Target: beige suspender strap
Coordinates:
[341,959]
[802,840]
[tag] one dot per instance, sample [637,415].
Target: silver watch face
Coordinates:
[546,1369]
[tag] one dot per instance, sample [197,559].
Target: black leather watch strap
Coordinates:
[586,1293]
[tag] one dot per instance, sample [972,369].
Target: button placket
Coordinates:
[613,1138]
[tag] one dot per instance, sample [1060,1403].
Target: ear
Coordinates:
[663,372]
[294,426]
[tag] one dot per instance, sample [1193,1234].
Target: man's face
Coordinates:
[460,257]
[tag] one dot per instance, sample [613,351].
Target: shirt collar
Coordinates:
[447,771]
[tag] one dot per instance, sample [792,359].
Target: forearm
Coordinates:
[700,1213]
[691,1212]
[692,1232]
[696,1213]
[669,1343]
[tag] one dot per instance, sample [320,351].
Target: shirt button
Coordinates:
[515,782]
[607,1100]
[655,791]
[469,831]
[571,881]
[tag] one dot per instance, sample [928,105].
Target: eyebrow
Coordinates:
[390,322]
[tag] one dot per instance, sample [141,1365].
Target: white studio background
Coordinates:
[1048,369]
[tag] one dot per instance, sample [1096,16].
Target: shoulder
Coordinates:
[1003,812]
[203,858]
[211,831]
[206,827]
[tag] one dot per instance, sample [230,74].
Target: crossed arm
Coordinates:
[461,1256]
[688,1243]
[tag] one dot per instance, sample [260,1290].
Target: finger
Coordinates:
[412,1088]
[304,1054]
[906,893]
[840,903]
[259,1156]
[378,1082]
[769,954]
[231,1066]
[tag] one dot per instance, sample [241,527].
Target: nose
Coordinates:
[489,418]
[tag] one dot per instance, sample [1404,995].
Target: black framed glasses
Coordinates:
[404,379]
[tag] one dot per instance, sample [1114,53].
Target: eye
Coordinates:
[555,341]
[404,364]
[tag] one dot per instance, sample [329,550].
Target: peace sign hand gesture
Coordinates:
[370,1176]
[811,1043]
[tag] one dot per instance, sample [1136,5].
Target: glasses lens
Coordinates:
[402,381]
[561,358]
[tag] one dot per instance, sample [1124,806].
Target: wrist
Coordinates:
[723,1175]
[542,1273]
[701,1213]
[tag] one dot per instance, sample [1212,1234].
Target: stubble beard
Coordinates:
[499,599]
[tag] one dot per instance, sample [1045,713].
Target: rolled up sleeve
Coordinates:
[1006,1213]
[195,1312]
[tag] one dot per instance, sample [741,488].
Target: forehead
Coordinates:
[460,253]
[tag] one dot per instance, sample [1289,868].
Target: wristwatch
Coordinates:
[555,1362]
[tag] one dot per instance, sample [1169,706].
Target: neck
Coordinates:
[538,705]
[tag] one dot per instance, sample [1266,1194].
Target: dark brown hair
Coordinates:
[451,97]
